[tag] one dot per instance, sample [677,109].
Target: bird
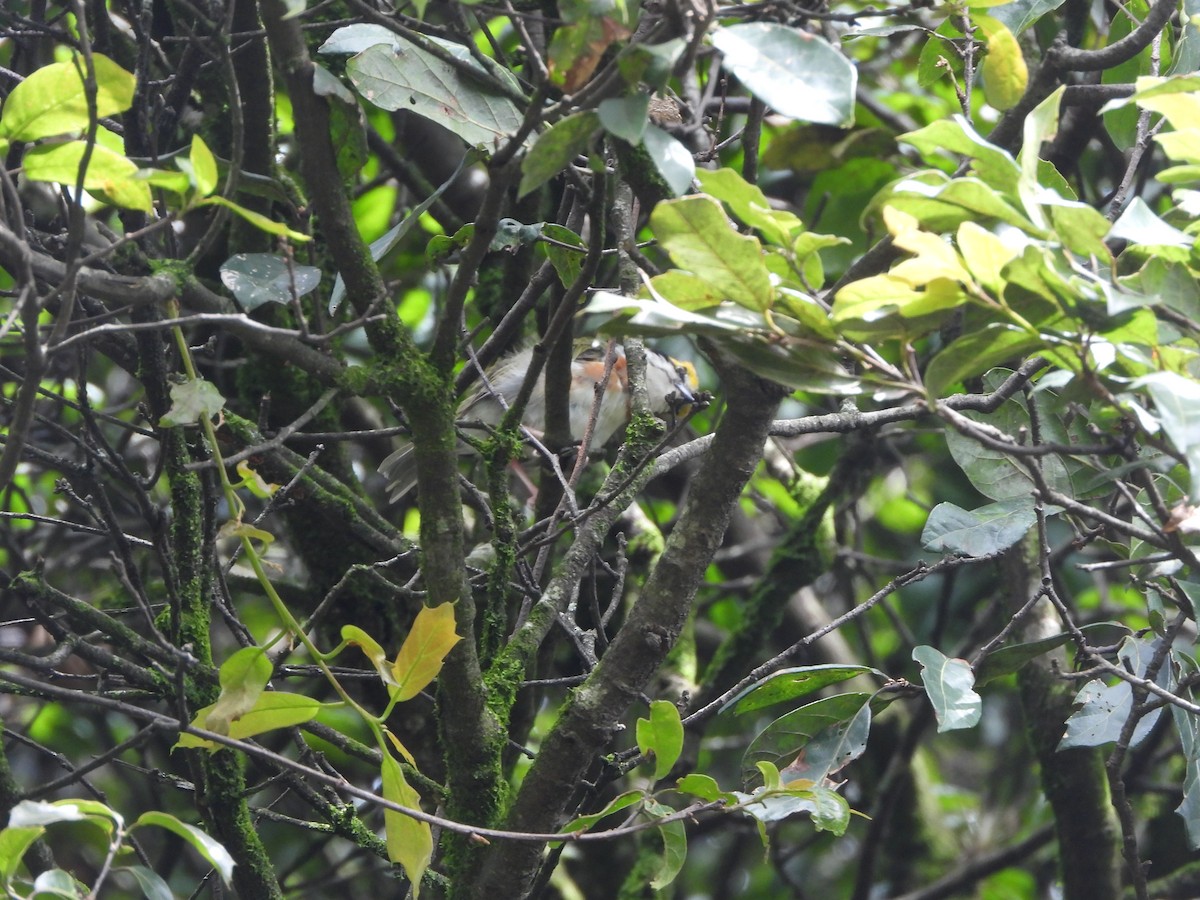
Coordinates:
[671,383]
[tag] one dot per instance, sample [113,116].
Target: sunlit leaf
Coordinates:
[53,101]
[793,71]
[420,659]
[192,400]
[244,676]
[701,239]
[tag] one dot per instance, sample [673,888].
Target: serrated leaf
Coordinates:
[979,532]
[409,841]
[190,401]
[556,148]
[211,849]
[794,72]
[52,100]
[420,659]
[791,684]
[701,239]
[662,736]
[949,685]
[108,173]
[258,278]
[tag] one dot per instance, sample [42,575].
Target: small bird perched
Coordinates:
[670,383]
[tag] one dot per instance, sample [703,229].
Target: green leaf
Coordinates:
[556,148]
[625,117]
[52,100]
[14,844]
[152,885]
[1011,659]
[420,659]
[175,182]
[705,787]
[1002,476]
[272,710]
[213,851]
[672,159]
[244,676]
[979,532]
[662,736]
[258,278]
[108,173]
[794,72]
[791,684]
[751,206]
[618,803]
[994,166]
[259,221]
[784,739]
[190,401]
[833,748]
[1104,709]
[976,352]
[701,239]
[204,167]
[949,684]
[409,841]
[56,883]
[1139,224]
[567,263]
[674,838]
[384,244]
[1177,407]
[418,81]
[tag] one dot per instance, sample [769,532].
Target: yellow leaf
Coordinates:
[1005,75]
[409,842]
[352,634]
[420,659]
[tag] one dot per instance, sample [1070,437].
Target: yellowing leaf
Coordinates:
[53,101]
[243,678]
[272,710]
[355,636]
[1005,75]
[985,255]
[409,841]
[204,166]
[108,173]
[934,257]
[420,659]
